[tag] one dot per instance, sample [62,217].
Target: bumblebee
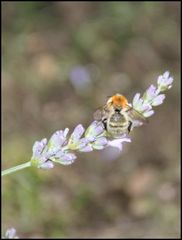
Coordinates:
[118,116]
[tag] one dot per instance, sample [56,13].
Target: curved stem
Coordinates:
[17,168]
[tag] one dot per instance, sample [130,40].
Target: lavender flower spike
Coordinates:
[62,148]
[152,96]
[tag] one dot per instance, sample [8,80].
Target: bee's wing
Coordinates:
[98,114]
[137,118]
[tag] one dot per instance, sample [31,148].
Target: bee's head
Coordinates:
[118,101]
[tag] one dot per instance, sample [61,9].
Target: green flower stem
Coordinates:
[17,168]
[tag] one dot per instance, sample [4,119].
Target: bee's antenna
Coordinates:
[109,96]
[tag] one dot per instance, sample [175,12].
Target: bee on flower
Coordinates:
[118,116]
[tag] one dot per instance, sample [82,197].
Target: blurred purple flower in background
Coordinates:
[10,233]
[80,78]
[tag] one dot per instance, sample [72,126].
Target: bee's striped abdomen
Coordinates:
[117,124]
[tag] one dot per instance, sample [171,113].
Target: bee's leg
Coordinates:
[104,121]
[129,127]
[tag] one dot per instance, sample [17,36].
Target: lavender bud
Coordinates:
[77,133]
[38,147]
[82,143]
[74,140]
[88,148]
[57,140]
[158,100]
[47,165]
[100,143]
[164,81]
[150,93]
[148,114]
[65,158]
[95,129]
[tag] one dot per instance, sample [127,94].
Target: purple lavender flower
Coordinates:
[58,139]
[92,139]
[164,81]
[152,97]
[100,143]
[48,164]
[59,147]
[95,129]
[80,77]
[44,155]
[38,157]
[87,148]
[118,143]
[150,93]
[77,133]
[64,158]
[140,105]
[77,143]
[148,113]
[38,148]
[158,100]
[74,141]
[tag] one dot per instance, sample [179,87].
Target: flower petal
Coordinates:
[150,93]
[139,105]
[118,142]
[164,81]
[169,81]
[136,98]
[148,114]
[95,129]
[77,133]
[66,132]
[82,143]
[145,107]
[166,74]
[49,152]
[38,147]
[88,148]
[158,100]
[100,143]
[67,159]
[64,158]
[47,165]
[57,140]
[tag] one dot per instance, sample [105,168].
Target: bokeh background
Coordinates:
[60,61]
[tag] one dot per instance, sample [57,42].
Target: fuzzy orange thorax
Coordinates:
[118,100]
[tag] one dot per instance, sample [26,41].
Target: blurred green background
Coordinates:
[60,61]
